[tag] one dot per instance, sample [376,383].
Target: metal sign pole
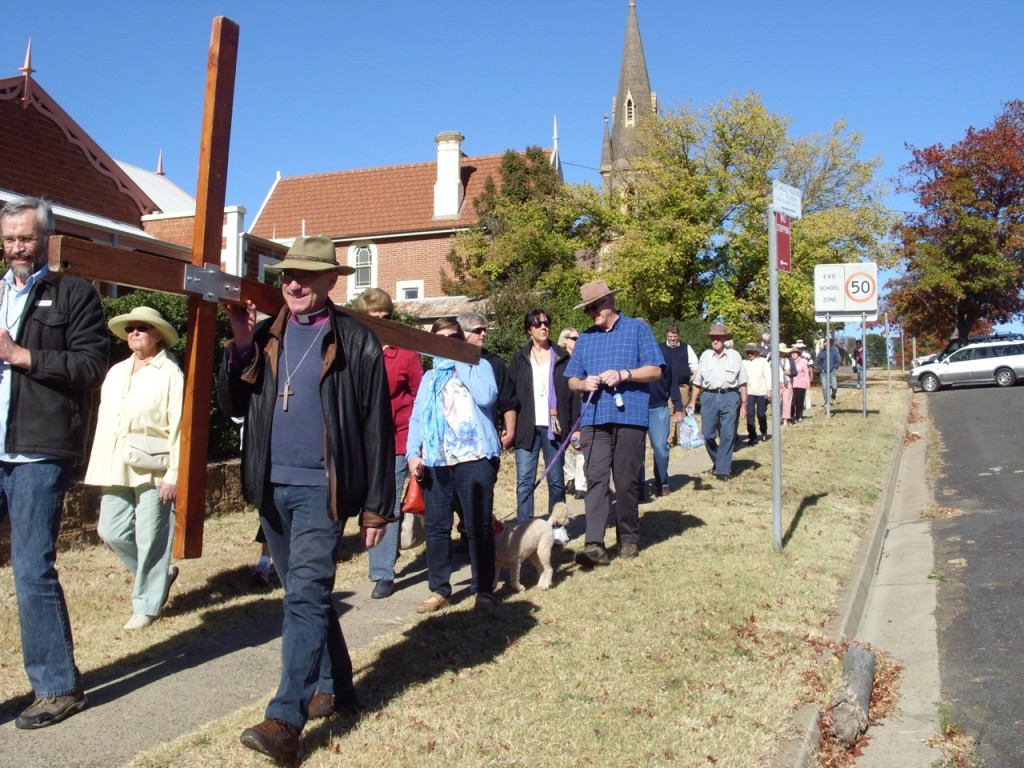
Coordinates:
[826,385]
[864,348]
[773,358]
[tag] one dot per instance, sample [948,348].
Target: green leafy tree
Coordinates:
[963,255]
[695,243]
[520,235]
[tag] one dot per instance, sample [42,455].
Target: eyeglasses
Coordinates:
[595,307]
[571,338]
[539,323]
[20,240]
[300,276]
[133,328]
[479,331]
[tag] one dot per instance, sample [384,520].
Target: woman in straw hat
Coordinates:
[141,398]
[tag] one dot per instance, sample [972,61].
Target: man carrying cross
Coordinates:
[319,446]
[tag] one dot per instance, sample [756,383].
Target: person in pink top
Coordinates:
[404,370]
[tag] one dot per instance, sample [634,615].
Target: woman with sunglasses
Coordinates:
[453,449]
[140,396]
[547,410]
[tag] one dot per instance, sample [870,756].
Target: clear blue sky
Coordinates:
[333,85]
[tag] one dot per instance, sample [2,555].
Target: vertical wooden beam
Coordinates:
[202,315]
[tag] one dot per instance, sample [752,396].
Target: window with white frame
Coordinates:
[405,290]
[362,257]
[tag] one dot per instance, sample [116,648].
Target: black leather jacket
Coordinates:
[53,402]
[359,439]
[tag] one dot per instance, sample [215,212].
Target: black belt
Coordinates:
[723,391]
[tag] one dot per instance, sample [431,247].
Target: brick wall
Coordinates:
[422,258]
[178,230]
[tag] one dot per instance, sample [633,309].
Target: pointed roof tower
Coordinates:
[634,101]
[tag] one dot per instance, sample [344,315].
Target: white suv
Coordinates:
[983,362]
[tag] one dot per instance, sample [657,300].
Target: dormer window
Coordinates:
[630,110]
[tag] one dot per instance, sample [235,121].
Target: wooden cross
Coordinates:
[159,271]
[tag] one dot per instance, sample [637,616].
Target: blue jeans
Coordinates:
[32,495]
[472,482]
[382,557]
[657,431]
[719,413]
[827,383]
[302,539]
[526,473]
[614,452]
[137,527]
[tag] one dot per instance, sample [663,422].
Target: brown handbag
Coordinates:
[412,501]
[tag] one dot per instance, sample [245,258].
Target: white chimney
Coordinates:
[448,189]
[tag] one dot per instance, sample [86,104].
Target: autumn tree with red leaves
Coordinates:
[963,255]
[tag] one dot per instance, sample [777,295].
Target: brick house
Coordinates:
[393,224]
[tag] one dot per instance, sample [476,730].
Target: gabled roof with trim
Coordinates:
[30,95]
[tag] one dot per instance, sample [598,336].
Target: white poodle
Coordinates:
[532,539]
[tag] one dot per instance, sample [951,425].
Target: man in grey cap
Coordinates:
[721,382]
[319,446]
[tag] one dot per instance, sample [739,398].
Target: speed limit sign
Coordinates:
[846,291]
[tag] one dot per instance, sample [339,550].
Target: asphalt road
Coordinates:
[979,560]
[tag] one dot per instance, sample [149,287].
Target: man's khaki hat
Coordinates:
[594,291]
[718,329]
[310,254]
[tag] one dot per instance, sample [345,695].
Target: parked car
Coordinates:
[983,362]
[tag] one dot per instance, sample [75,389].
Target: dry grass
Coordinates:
[697,653]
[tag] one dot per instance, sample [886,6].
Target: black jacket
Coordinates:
[53,402]
[521,373]
[359,447]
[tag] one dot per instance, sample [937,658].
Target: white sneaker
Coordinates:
[561,535]
[139,620]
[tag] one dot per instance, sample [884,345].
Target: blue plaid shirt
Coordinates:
[629,344]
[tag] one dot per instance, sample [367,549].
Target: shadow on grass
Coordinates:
[807,503]
[446,643]
[223,631]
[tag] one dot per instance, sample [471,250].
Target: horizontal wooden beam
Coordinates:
[152,272]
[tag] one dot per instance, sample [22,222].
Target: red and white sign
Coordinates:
[783,241]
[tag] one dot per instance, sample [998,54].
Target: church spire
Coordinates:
[634,99]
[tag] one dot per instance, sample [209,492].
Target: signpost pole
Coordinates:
[864,347]
[773,359]
[826,387]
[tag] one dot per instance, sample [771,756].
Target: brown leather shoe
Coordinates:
[327,704]
[273,738]
[50,710]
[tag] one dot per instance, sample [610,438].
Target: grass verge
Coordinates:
[697,653]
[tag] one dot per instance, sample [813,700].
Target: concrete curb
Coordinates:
[799,750]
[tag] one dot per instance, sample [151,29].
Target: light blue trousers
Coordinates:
[137,527]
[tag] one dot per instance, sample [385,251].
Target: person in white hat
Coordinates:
[319,447]
[610,367]
[140,411]
[721,383]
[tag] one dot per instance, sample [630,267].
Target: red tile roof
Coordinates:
[370,202]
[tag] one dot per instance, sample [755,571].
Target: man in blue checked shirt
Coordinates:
[610,367]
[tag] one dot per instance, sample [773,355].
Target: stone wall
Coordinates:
[82,507]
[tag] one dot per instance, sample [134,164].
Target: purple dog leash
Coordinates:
[562,447]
